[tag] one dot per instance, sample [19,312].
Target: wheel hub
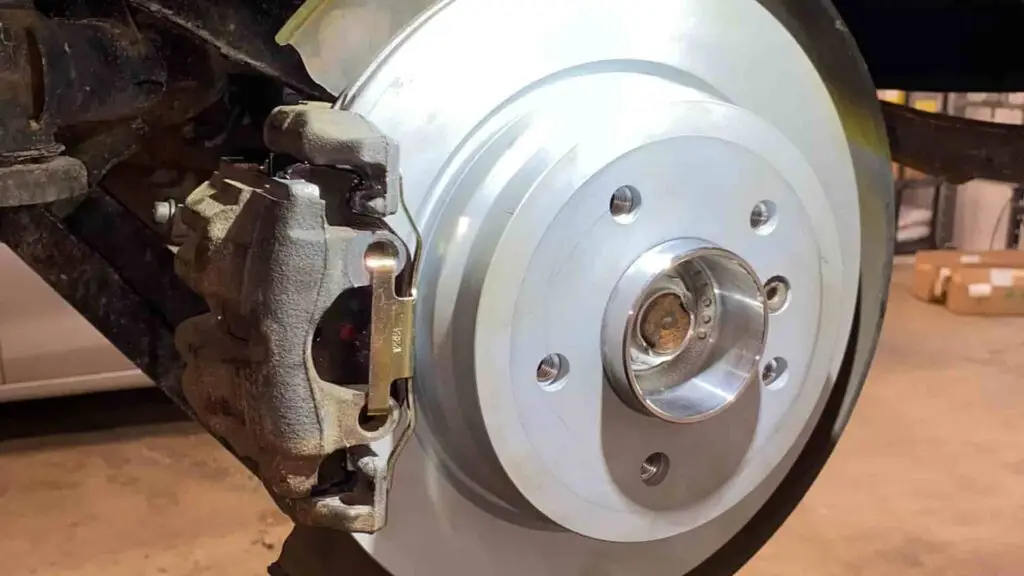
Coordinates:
[665,322]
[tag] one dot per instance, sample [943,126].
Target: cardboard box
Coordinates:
[934,268]
[902,173]
[986,291]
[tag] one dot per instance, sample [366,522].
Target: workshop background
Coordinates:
[972,216]
[103,476]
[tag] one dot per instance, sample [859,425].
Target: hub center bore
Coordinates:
[684,331]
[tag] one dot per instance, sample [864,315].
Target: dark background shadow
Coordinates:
[84,419]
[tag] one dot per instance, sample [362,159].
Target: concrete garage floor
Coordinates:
[929,478]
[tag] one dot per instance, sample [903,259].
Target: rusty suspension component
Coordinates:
[103,79]
[957,149]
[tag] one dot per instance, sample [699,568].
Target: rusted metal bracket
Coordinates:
[270,262]
[273,257]
[956,149]
[243,30]
[104,79]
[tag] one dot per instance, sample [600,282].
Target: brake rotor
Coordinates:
[644,225]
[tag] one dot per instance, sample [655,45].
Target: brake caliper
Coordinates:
[272,256]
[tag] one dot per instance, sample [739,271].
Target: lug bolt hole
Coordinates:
[654,469]
[776,293]
[763,217]
[551,372]
[624,204]
[773,373]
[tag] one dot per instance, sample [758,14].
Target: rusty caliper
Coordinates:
[271,255]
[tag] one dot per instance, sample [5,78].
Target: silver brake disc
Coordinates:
[647,227]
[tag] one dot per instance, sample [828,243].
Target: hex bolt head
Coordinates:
[164,211]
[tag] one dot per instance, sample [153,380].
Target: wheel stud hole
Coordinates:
[776,293]
[763,217]
[773,374]
[654,469]
[624,205]
[551,372]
